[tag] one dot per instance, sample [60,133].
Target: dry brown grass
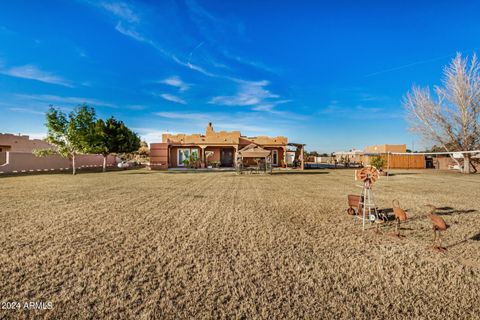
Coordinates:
[140,244]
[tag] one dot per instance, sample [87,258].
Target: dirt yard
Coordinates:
[147,245]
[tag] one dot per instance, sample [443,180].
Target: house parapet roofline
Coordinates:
[221,137]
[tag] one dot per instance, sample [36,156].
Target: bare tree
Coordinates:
[451,118]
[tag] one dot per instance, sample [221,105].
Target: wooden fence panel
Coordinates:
[401,161]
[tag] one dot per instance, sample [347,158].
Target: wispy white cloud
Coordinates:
[65,101]
[248,62]
[245,128]
[250,124]
[128,21]
[371,97]
[270,106]
[359,112]
[369,109]
[215,29]
[130,32]
[81,52]
[121,10]
[136,107]
[26,110]
[182,115]
[171,97]
[195,67]
[251,93]
[32,72]
[151,135]
[175,81]
[129,24]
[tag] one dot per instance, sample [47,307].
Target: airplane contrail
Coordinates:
[407,65]
[191,52]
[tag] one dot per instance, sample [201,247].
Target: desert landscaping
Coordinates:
[164,244]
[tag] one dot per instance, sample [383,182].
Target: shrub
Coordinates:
[378,162]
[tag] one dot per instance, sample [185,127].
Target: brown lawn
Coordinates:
[141,244]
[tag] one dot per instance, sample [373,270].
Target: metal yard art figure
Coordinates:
[368,175]
[400,216]
[438,225]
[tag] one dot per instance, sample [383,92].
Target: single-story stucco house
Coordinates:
[221,148]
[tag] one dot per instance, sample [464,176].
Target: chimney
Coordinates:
[209,129]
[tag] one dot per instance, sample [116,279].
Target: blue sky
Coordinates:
[331,75]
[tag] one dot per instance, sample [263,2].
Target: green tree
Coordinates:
[378,162]
[70,135]
[113,136]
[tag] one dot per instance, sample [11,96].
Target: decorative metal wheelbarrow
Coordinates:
[356,207]
[354,204]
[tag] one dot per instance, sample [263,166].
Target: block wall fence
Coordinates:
[16,162]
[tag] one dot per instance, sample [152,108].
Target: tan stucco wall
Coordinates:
[28,162]
[384,148]
[174,155]
[16,143]
[159,155]
[221,137]
[280,155]
[443,163]
[217,155]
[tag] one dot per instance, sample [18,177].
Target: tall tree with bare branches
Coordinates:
[451,118]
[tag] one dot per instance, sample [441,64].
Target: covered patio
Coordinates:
[254,159]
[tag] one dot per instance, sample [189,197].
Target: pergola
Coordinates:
[254,151]
[299,153]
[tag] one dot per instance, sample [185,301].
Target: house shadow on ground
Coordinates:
[476,237]
[402,174]
[448,211]
[304,172]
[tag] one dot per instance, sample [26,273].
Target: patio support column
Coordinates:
[302,166]
[169,157]
[235,154]
[202,156]
[284,156]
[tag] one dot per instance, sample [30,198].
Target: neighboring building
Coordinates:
[386,151]
[214,148]
[18,143]
[353,156]
[385,148]
[323,160]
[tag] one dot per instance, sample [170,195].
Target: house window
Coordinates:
[184,154]
[275,157]
[194,153]
[209,155]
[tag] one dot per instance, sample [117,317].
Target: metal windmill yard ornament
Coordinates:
[368,175]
